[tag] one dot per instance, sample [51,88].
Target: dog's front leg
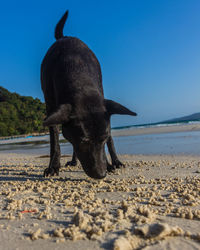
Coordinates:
[54,164]
[116,163]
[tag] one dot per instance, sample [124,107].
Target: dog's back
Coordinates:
[69,69]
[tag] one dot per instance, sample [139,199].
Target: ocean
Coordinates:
[187,142]
[157,124]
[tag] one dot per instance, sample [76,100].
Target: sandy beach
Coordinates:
[119,132]
[153,203]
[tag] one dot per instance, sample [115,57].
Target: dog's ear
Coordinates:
[116,108]
[62,115]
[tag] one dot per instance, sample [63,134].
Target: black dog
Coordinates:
[72,85]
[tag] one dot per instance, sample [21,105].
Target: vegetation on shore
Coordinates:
[20,114]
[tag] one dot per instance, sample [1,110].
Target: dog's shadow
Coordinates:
[12,173]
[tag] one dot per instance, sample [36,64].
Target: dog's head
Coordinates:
[87,127]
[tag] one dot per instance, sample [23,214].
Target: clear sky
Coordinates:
[149,50]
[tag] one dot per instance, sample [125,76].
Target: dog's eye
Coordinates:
[85,140]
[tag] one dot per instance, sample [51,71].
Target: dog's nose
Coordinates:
[96,174]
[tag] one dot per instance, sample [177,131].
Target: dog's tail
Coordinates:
[60,26]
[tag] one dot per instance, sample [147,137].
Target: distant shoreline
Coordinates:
[23,136]
[133,131]
[156,130]
[128,130]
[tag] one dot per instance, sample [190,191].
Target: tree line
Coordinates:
[20,114]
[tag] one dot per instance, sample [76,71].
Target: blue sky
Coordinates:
[149,50]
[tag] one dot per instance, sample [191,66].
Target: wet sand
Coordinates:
[154,203]
[118,132]
[157,130]
[168,140]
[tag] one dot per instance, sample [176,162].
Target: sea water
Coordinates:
[165,143]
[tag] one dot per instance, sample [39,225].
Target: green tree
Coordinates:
[20,114]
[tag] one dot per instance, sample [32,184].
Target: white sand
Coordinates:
[153,204]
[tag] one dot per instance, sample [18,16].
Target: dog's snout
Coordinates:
[98,175]
[95,173]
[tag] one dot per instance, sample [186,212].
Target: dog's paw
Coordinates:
[71,163]
[118,164]
[111,168]
[51,172]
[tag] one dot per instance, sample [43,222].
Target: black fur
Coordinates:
[72,84]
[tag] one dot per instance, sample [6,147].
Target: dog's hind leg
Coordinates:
[73,162]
